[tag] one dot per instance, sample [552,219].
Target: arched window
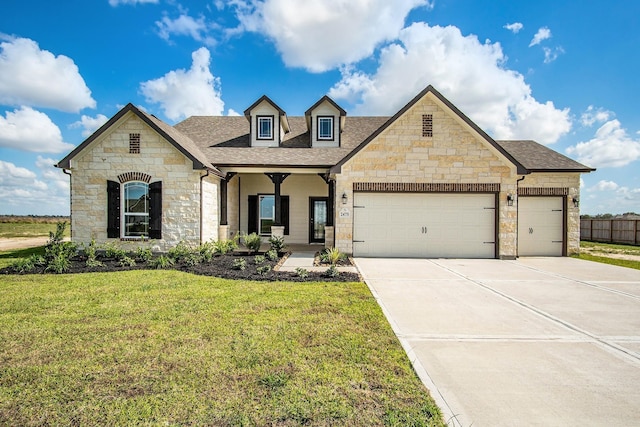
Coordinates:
[135,209]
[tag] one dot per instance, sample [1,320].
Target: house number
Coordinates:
[345,213]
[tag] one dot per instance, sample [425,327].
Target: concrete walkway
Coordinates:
[532,342]
[305,259]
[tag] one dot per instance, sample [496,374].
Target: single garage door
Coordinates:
[540,226]
[420,225]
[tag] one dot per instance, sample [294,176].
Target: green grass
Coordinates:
[169,348]
[24,229]
[601,252]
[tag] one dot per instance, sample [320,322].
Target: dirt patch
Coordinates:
[610,253]
[22,243]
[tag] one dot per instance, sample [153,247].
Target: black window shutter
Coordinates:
[113,209]
[155,210]
[252,215]
[284,210]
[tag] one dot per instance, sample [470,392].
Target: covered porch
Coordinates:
[298,204]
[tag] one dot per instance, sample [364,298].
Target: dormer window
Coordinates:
[265,127]
[325,128]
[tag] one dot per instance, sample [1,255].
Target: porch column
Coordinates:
[329,231]
[223,230]
[277,179]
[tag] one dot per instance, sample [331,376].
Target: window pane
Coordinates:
[325,128]
[136,225]
[264,127]
[136,197]
[267,210]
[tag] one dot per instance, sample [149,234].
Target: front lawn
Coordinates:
[172,348]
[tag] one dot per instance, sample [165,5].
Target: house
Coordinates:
[427,182]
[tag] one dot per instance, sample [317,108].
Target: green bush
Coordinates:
[194,258]
[332,272]
[252,242]
[180,251]
[277,243]
[161,262]
[142,254]
[263,269]
[113,250]
[303,273]
[23,265]
[58,254]
[272,255]
[223,247]
[239,264]
[259,259]
[127,261]
[332,256]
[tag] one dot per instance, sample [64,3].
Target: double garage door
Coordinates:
[432,225]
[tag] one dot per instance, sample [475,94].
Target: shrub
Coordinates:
[194,258]
[23,265]
[302,272]
[263,269]
[143,254]
[127,261]
[91,252]
[180,251]
[272,255]
[239,264]
[277,243]
[332,272]
[162,262]
[114,250]
[93,263]
[259,259]
[332,256]
[223,247]
[252,242]
[58,254]
[58,263]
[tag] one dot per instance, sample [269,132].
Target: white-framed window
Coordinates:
[266,212]
[135,209]
[325,127]
[265,127]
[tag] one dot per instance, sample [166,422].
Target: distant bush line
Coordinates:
[40,219]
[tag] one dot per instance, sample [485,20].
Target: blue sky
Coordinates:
[563,73]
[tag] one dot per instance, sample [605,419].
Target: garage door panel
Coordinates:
[424,225]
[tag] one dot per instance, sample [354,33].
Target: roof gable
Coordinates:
[180,141]
[446,104]
[264,98]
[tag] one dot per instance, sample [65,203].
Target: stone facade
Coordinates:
[109,156]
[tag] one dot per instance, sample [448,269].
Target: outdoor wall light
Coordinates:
[344,198]
[576,201]
[509,199]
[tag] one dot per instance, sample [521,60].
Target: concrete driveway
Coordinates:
[536,341]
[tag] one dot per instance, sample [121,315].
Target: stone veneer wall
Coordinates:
[108,156]
[561,180]
[452,155]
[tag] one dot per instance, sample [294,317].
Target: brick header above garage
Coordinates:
[539,191]
[426,187]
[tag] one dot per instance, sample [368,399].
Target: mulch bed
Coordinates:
[220,266]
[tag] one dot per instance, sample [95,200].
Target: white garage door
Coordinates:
[424,225]
[540,226]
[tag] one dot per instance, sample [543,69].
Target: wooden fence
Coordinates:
[625,231]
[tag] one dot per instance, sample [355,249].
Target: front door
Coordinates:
[317,219]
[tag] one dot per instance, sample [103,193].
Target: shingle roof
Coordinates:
[225,141]
[538,158]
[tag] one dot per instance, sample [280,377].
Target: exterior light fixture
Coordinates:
[576,201]
[344,198]
[509,199]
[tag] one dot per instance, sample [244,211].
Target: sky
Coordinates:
[561,72]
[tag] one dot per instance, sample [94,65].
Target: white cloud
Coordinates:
[23,192]
[551,55]
[184,93]
[595,115]
[319,35]
[30,130]
[515,27]
[232,112]
[543,34]
[471,74]
[604,185]
[115,3]
[35,77]
[610,147]
[89,124]
[185,25]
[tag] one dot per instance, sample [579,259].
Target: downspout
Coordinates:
[202,177]
[68,172]
[518,214]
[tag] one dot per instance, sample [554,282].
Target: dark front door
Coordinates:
[317,219]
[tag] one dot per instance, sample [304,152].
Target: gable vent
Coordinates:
[134,143]
[427,125]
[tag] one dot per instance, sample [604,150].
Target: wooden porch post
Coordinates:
[277,179]
[223,198]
